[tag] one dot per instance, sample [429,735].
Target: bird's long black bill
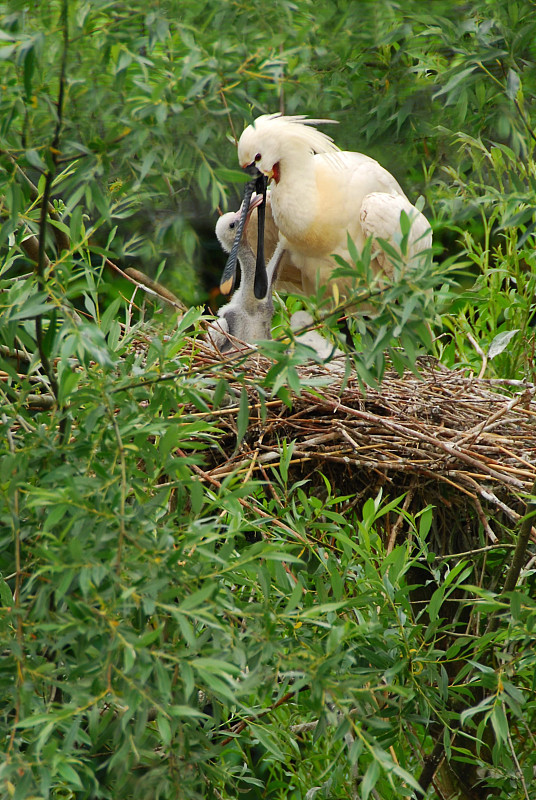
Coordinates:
[260,286]
[229,272]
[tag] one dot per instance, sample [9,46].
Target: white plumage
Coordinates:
[312,338]
[320,194]
[377,213]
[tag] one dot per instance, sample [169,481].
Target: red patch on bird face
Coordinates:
[276,172]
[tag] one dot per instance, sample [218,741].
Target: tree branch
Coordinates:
[49,177]
[145,283]
[62,240]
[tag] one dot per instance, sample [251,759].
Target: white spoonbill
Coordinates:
[245,318]
[320,195]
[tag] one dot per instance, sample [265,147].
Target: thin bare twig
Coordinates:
[518,766]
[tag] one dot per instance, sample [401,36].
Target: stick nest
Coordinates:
[444,438]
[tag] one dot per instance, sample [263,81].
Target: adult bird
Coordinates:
[246,318]
[320,195]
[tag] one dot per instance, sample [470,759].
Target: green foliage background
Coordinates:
[165,637]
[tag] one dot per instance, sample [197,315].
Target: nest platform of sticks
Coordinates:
[462,444]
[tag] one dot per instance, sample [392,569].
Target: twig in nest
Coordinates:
[411,433]
[484,520]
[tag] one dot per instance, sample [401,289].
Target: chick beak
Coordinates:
[258,183]
[229,272]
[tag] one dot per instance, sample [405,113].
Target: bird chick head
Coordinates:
[227,224]
[273,137]
[225,229]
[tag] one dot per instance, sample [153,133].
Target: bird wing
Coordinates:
[316,221]
[312,338]
[380,218]
[366,175]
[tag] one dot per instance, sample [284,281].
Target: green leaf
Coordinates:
[513,84]
[435,603]
[109,315]
[499,722]
[33,721]
[91,342]
[6,597]
[149,637]
[198,599]
[370,779]
[32,307]
[76,226]
[352,249]
[456,79]
[425,522]
[501,342]
[227,175]
[268,740]
[96,196]
[7,51]
[164,728]
[186,712]
[285,457]
[70,775]
[34,159]
[29,65]
[68,382]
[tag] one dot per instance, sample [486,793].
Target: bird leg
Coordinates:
[272,270]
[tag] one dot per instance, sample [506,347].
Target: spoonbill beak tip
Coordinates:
[226,286]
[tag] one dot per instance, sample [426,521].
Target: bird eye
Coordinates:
[258,157]
[232,225]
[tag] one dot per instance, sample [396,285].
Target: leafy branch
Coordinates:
[49,177]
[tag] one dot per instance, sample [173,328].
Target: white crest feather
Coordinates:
[299,127]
